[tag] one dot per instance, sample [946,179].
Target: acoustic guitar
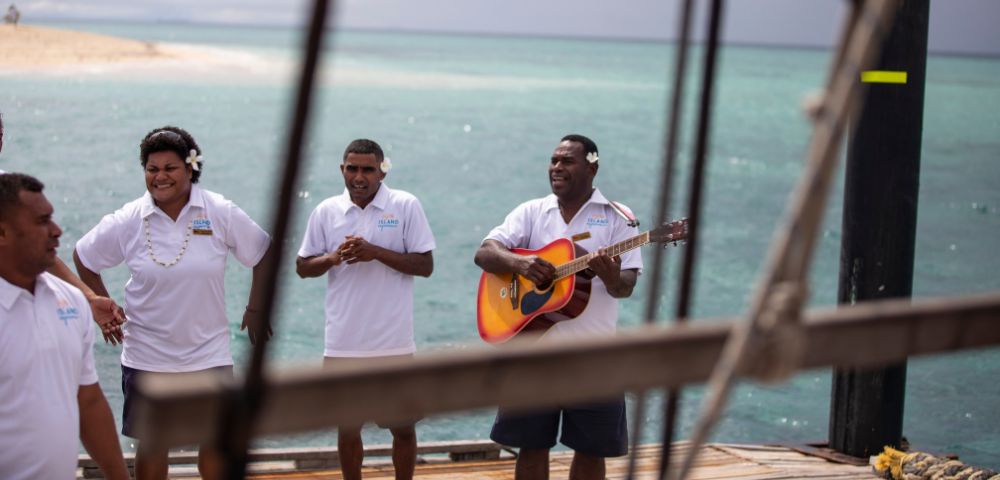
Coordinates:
[508,304]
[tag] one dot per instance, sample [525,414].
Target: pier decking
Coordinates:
[485,460]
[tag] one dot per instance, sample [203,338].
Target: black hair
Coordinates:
[11,185]
[170,139]
[364,146]
[588,145]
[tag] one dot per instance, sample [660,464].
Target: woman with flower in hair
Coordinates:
[175,240]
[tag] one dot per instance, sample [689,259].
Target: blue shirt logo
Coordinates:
[597,220]
[388,221]
[67,313]
[201,226]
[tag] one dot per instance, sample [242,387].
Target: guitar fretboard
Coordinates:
[579,264]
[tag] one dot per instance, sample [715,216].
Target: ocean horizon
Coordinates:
[470,122]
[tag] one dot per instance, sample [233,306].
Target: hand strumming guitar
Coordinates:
[536,269]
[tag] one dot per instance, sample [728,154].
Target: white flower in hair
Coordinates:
[194,160]
[386,165]
[592,157]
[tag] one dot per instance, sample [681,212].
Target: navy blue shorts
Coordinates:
[130,392]
[598,430]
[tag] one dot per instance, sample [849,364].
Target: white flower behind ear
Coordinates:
[592,157]
[194,160]
[386,165]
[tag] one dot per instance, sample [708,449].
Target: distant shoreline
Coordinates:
[696,41]
[36,49]
[31,46]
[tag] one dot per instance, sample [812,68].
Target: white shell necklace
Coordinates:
[149,245]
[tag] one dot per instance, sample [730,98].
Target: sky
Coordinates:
[956,26]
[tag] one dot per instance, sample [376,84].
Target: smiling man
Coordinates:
[49,395]
[579,212]
[370,241]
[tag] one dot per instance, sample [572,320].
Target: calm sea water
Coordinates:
[469,123]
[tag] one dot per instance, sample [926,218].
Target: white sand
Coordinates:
[45,50]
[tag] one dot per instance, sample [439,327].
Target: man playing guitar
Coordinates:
[580,213]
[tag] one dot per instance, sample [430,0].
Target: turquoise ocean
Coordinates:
[470,122]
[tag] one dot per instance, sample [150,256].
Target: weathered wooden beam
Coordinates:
[184,411]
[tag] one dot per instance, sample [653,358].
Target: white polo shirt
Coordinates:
[46,354]
[176,315]
[537,223]
[369,306]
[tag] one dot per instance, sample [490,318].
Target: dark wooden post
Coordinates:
[879,226]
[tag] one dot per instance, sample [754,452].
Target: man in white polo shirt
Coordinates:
[575,210]
[370,241]
[49,395]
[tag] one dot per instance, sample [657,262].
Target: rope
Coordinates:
[663,208]
[777,348]
[769,333]
[242,406]
[893,464]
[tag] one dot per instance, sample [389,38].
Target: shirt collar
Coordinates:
[381,200]
[10,292]
[197,200]
[552,202]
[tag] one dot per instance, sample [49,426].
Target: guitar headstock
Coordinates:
[673,232]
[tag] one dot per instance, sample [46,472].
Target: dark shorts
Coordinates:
[598,429]
[348,362]
[129,389]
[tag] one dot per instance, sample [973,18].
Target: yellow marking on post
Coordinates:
[883,76]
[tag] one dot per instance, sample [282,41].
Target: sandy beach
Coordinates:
[26,46]
[46,50]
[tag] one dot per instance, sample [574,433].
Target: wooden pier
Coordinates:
[489,461]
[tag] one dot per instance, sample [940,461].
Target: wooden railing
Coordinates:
[177,411]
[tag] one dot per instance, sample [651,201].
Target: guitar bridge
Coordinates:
[513,291]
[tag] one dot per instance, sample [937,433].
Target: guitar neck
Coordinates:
[579,264]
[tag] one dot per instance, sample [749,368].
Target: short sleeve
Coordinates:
[101,248]
[417,236]
[515,230]
[633,258]
[245,238]
[314,240]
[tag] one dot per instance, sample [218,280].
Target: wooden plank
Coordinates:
[313,458]
[524,375]
[733,467]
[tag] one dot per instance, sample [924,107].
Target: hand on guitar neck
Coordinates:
[609,269]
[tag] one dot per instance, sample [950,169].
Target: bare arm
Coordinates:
[309,267]
[357,249]
[107,314]
[97,432]
[493,257]
[618,282]
[255,304]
